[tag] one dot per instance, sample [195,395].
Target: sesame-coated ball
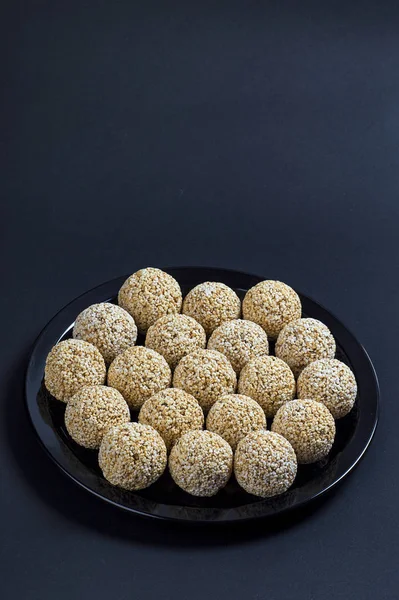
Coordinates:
[234,416]
[139,373]
[132,456]
[331,382]
[211,303]
[70,365]
[174,336]
[265,464]
[239,341]
[308,426]
[303,341]
[201,463]
[148,295]
[108,327]
[269,381]
[271,304]
[206,374]
[91,411]
[172,413]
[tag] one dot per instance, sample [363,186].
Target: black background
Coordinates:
[261,136]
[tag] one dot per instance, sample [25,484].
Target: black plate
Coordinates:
[164,499]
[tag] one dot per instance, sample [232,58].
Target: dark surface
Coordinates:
[164,499]
[244,135]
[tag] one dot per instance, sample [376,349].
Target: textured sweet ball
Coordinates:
[265,464]
[207,375]
[70,365]
[172,413]
[132,456]
[139,373]
[148,295]
[271,304]
[239,341]
[201,463]
[211,303]
[308,426]
[331,382]
[304,341]
[108,327]
[175,336]
[93,410]
[234,416]
[269,381]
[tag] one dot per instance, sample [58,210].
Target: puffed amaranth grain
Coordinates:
[304,341]
[211,303]
[271,304]
[175,336]
[207,375]
[308,426]
[265,464]
[233,416]
[108,327]
[201,463]
[148,295]
[139,373]
[71,365]
[172,413]
[93,410]
[132,456]
[239,341]
[331,382]
[269,381]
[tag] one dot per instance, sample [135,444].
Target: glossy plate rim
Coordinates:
[59,452]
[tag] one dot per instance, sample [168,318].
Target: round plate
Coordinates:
[164,499]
